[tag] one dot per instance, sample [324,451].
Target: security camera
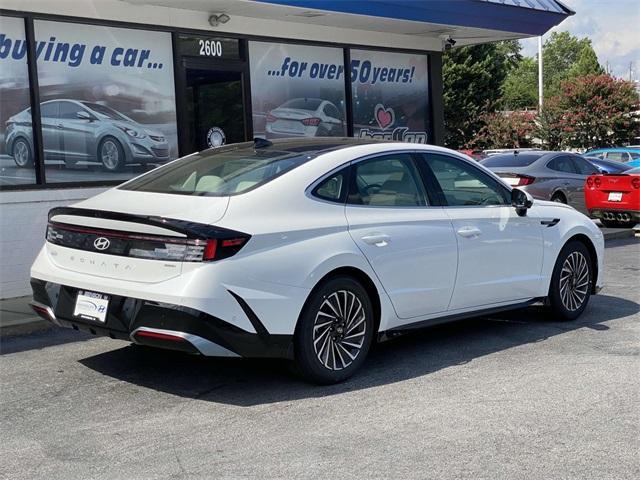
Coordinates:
[217,20]
[448,43]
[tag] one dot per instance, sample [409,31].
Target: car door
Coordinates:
[77,133]
[584,169]
[569,180]
[409,243]
[51,132]
[499,252]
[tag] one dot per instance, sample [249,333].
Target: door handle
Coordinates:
[60,126]
[377,239]
[469,232]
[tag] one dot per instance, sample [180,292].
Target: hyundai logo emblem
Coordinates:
[101,243]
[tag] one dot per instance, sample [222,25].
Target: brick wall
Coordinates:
[23,218]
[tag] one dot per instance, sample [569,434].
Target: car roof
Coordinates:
[614,149]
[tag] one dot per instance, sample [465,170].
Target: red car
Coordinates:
[614,199]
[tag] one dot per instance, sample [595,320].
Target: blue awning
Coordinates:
[518,17]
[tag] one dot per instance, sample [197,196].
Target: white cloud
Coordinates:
[612,27]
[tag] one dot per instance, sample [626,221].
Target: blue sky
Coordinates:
[614,28]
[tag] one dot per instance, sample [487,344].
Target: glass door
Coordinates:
[214,107]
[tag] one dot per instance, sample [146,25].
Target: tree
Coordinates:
[591,111]
[520,88]
[506,130]
[586,64]
[472,79]
[560,52]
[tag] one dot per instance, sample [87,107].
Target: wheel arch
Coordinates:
[593,253]
[19,136]
[363,278]
[560,191]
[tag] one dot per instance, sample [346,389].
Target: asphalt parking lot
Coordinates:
[513,396]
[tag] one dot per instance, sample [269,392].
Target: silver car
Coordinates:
[74,131]
[305,117]
[555,176]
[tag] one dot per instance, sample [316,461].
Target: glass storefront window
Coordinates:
[16,144]
[390,95]
[107,101]
[297,90]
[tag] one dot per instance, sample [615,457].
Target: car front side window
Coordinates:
[387,181]
[463,184]
[584,167]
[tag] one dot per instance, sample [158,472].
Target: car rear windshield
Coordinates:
[303,103]
[219,172]
[511,160]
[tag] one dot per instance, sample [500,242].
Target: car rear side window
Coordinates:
[332,188]
[563,164]
[219,172]
[387,181]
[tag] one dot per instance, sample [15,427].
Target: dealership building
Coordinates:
[94,92]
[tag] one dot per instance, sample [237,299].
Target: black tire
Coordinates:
[21,153]
[559,197]
[616,223]
[336,341]
[111,154]
[570,289]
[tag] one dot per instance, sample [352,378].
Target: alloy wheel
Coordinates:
[110,155]
[339,330]
[574,281]
[21,154]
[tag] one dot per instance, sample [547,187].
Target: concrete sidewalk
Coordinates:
[17,318]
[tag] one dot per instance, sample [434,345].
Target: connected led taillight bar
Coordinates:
[154,247]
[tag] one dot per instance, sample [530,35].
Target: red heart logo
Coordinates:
[384,116]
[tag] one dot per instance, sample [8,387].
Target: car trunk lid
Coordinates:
[137,236]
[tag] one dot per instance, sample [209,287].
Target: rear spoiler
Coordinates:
[190,229]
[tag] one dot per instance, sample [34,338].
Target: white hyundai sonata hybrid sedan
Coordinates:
[310,250]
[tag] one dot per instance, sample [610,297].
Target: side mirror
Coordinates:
[82,115]
[521,201]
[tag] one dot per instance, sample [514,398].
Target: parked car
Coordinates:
[305,117]
[614,199]
[498,151]
[555,176]
[309,249]
[74,131]
[608,166]
[628,155]
[475,154]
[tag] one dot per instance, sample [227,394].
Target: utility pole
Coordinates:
[540,78]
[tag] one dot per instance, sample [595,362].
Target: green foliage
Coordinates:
[591,111]
[520,88]
[472,83]
[586,64]
[560,54]
[506,130]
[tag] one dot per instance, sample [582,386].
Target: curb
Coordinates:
[25,327]
[618,233]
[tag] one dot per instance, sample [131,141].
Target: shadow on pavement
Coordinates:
[243,382]
[46,337]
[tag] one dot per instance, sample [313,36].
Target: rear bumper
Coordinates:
[612,213]
[159,324]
